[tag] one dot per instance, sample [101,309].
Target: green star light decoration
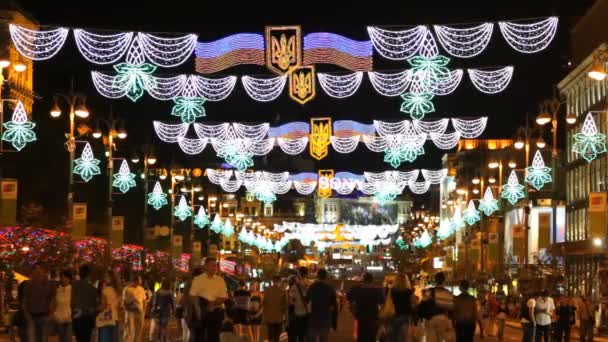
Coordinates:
[124,179]
[538,174]
[470,215]
[86,166]
[19,131]
[201,219]
[135,78]
[417,105]
[513,191]
[488,204]
[157,198]
[188,108]
[589,142]
[182,211]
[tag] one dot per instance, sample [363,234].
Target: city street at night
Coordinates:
[306,171]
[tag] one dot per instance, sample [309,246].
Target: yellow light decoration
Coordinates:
[302,87]
[320,133]
[324,184]
[283,48]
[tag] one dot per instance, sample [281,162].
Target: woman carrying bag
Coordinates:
[107,319]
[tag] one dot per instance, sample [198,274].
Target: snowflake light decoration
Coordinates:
[589,142]
[87,166]
[423,241]
[488,204]
[157,198]
[124,179]
[538,174]
[228,228]
[217,224]
[470,215]
[512,191]
[182,211]
[19,131]
[136,78]
[201,219]
[417,104]
[188,108]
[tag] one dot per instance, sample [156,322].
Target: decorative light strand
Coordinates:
[397,45]
[86,166]
[470,129]
[38,45]
[589,142]
[488,204]
[124,179]
[491,81]
[538,174]
[513,191]
[182,211]
[264,89]
[19,131]
[340,86]
[464,42]
[157,198]
[470,215]
[529,38]
[201,219]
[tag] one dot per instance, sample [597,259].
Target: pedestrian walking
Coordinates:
[586,315]
[163,307]
[85,301]
[62,315]
[528,321]
[439,326]
[107,318]
[209,290]
[38,302]
[465,314]
[501,318]
[242,297]
[365,301]
[565,319]
[402,296]
[256,313]
[544,311]
[134,304]
[298,307]
[322,303]
[275,309]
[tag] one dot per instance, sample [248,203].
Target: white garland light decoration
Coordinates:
[38,45]
[470,129]
[491,81]
[397,45]
[464,42]
[390,85]
[419,188]
[264,89]
[529,38]
[109,48]
[445,141]
[340,86]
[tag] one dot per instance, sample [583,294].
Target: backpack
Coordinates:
[465,309]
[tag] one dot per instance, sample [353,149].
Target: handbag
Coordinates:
[388,308]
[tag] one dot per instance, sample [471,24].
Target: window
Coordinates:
[267,209]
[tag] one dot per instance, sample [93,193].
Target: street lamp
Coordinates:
[75,101]
[111,125]
[598,71]
[476,180]
[493,164]
[519,143]
[571,118]
[540,143]
[597,242]
[512,164]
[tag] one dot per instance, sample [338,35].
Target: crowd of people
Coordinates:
[72,305]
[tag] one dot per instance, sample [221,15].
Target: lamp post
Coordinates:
[4,64]
[192,191]
[549,111]
[76,103]
[148,160]
[115,129]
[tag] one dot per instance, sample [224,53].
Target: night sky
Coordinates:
[42,167]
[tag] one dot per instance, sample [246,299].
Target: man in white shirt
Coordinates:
[544,310]
[134,303]
[209,289]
